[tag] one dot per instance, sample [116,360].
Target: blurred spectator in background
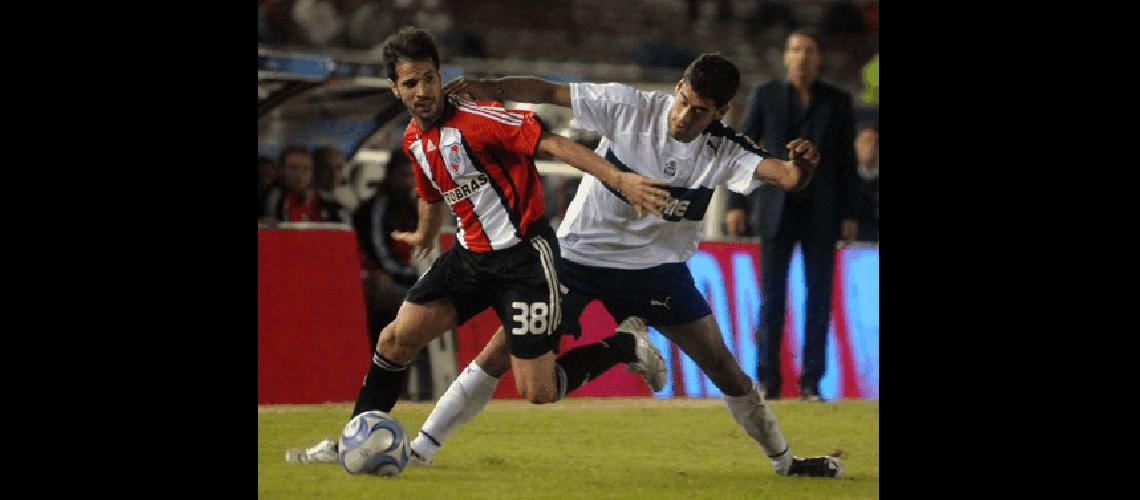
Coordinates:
[771,21]
[436,17]
[870,74]
[264,33]
[800,106]
[357,24]
[369,23]
[329,179]
[870,11]
[867,152]
[721,11]
[386,263]
[659,48]
[843,18]
[322,22]
[275,23]
[266,178]
[294,199]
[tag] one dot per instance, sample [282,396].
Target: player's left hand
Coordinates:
[471,89]
[805,159]
[646,195]
[423,245]
[849,230]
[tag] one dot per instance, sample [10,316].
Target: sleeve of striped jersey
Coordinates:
[606,108]
[743,157]
[514,131]
[424,188]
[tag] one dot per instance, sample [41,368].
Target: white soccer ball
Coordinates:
[373,443]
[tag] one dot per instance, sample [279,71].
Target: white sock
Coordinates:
[465,398]
[759,422]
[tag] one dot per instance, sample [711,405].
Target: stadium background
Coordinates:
[320,83]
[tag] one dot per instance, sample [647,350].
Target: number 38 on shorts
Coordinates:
[533,318]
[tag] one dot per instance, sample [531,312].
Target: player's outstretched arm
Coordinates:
[642,193]
[794,174]
[423,238]
[511,88]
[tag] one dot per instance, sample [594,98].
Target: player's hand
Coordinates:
[734,221]
[646,195]
[471,90]
[849,230]
[422,244]
[804,160]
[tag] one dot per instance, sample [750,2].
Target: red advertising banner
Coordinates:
[311,331]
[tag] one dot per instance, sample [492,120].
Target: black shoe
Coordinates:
[809,394]
[825,466]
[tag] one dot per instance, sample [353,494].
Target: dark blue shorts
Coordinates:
[663,295]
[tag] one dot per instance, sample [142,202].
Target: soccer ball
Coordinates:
[373,443]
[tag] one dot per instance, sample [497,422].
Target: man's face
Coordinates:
[802,59]
[417,85]
[691,114]
[867,147]
[297,172]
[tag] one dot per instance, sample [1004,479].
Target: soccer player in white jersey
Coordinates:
[634,263]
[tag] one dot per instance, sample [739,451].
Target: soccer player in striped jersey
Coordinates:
[479,160]
[636,264]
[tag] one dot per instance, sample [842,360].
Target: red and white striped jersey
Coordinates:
[479,158]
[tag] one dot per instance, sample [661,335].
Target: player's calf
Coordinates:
[537,380]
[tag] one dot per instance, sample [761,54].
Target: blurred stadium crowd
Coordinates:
[651,33]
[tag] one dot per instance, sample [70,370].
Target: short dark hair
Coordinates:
[812,33]
[872,126]
[292,149]
[410,43]
[713,77]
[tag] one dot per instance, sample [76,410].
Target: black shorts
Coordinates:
[520,283]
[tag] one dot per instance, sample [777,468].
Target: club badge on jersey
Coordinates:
[455,158]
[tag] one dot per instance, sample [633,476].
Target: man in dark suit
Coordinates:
[867,151]
[778,111]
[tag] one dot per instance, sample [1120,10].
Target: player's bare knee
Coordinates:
[395,346]
[541,395]
[536,393]
[387,340]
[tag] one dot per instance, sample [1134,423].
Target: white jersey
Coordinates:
[600,228]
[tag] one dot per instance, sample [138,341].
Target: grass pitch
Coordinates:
[584,448]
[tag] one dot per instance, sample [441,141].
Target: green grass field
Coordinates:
[584,448]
